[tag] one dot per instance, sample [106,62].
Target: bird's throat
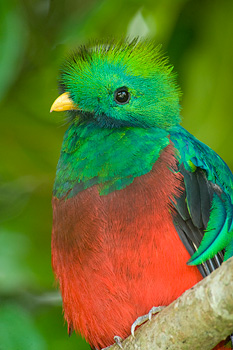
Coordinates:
[110,158]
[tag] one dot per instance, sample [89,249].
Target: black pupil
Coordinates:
[122,96]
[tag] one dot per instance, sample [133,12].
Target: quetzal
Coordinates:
[136,196]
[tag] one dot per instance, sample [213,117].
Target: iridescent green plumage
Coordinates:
[93,74]
[108,144]
[110,158]
[219,232]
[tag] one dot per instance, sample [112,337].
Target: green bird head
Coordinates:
[123,101]
[120,84]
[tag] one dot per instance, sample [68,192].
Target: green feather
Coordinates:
[93,155]
[216,236]
[94,72]
[219,234]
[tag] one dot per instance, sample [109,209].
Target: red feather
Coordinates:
[116,256]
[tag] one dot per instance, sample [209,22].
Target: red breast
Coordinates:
[116,256]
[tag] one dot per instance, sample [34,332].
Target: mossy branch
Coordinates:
[199,319]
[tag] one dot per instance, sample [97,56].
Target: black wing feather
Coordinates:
[192,212]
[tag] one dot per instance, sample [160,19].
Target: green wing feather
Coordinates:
[219,232]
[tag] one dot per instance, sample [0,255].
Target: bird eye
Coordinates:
[122,95]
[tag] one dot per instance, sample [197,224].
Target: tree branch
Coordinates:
[199,319]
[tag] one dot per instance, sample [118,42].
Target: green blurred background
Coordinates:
[34,38]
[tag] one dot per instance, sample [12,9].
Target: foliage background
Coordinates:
[34,38]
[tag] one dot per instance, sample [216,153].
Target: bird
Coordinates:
[142,210]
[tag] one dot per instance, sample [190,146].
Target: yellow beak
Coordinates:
[63,103]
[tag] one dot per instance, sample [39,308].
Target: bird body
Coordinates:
[117,253]
[134,193]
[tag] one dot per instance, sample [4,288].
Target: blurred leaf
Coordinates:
[138,26]
[14,196]
[12,43]
[52,327]
[17,330]
[207,72]
[15,275]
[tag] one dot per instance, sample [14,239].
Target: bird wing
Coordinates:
[203,214]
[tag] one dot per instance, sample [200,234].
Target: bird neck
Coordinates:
[110,158]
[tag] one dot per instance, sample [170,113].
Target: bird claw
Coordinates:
[141,319]
[118,341]
[154,310]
